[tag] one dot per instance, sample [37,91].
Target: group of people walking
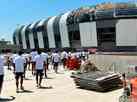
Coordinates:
[38,62]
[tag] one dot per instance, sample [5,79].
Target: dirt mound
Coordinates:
[88,66]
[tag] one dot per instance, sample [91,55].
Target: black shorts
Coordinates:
[39,72]
[55,64]
[64,60]
[1,80]
[19,74]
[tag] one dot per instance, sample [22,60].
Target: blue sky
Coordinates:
[17,12]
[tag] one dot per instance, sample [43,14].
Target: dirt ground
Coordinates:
[58,88]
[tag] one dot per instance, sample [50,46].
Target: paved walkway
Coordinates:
[63,90]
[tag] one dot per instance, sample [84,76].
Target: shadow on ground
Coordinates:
[59,73]
[48,78]
[27,79]
[100,91]
[43,87]
[25,91]
[7,99]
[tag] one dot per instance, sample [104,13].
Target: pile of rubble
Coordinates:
[90,77]
[88,66]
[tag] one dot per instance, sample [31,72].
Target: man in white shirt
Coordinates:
[32,56]
[26,57]
[13,57]
[77,54]
[46,56]
[55,60]
[19,63]
[39,66]
[64,57]
[2,60]
[83,55]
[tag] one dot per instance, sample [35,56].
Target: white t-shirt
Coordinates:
[64,55]
[13,57]
[39,60]
[77,54]
[83,53]
[69,54]
[2,60]
[26,56]
[45,56]
[19,62]
[33,54]
[56,57]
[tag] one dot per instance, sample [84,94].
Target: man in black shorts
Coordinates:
[19,63]
[64,56]
[39,66]
[55,60]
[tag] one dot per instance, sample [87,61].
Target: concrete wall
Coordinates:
[126,32]
[51,32]
[116,63]
[23,37]
[88,34]
[40,39]
[31,40]
[64,30]
[17,40]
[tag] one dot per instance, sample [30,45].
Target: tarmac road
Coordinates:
[58,88]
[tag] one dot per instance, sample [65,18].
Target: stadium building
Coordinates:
[105,26]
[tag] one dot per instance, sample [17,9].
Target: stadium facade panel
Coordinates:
[104,28]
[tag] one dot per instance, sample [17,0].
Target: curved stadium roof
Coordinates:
[97,12]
